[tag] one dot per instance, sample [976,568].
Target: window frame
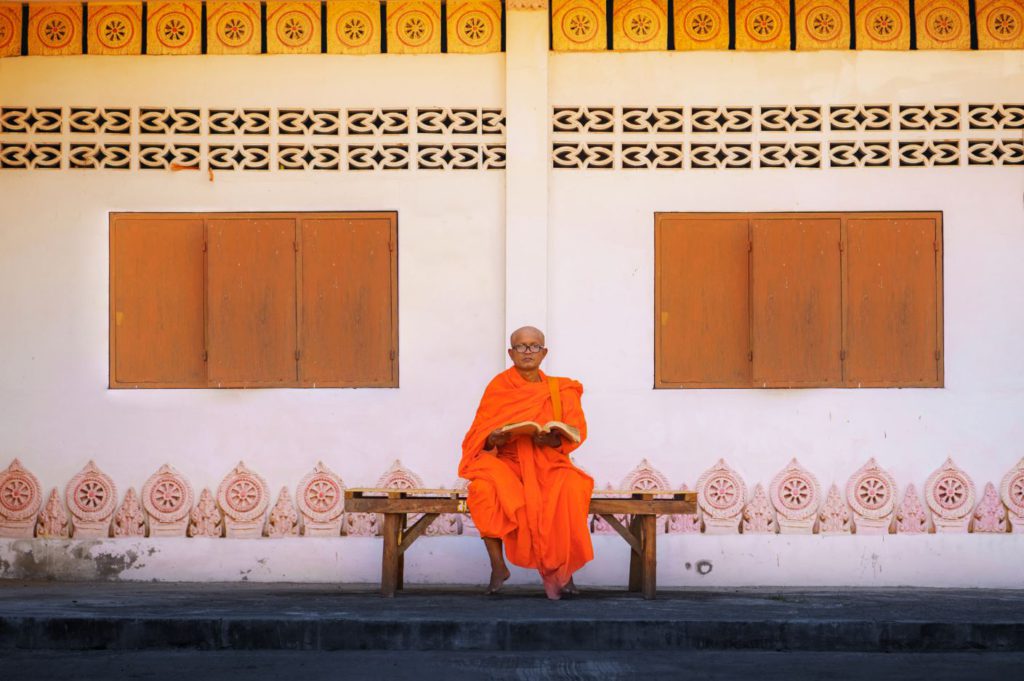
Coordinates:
[844,217]
[298,217]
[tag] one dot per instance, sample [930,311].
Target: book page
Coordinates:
[522,428]
[563,429]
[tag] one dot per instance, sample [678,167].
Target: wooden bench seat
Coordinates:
[396,505]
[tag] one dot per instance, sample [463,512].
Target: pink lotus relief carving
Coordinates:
[244,497]
[949,493]
[990,516]
[834,517]
[1011,490]
[321,499]
[645,478]
[284,520]
[167,498]
[205,519]
[871,493]
[721,494]
[20,500]
[53,521]
[129,520]
[684,523]
[911,518]
[369,524]
[92,498]
[758,517]
[446,524]
[794,492]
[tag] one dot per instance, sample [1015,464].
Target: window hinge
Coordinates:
[840,246]
[750,247]
[391,247]
[750,355]
[936,245]
[296,245]
[938,355]
[206,356]
[392,355]
[204,247]
[297,355]
[842,355]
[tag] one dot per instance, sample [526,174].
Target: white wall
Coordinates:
[56,412]
[602,273]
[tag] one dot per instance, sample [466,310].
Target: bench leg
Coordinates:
[635,574]
[389,563]
[400,579]
[649,559]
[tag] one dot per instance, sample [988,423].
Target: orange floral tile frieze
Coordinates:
[883,24]
[822,25]
[293,27]
[474,26]
[1000,24]
[353,26]
[762,25]
[702,25]
[640,25]
[10,29]
[55,30]
[115,28]
[414,26]
[233,27]
[578,25]
[943,25]
[174,27]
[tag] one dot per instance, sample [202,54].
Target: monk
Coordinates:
[524,492]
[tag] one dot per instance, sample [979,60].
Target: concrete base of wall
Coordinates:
[968,560]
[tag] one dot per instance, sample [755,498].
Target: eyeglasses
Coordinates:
[523,348]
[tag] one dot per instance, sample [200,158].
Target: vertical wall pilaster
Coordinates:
[526,176]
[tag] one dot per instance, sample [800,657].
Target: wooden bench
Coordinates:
[641,535]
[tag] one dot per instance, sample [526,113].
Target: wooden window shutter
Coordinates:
[702,311]
[348,315]
[156,302]
[797,305]
[894,297]
[251,305]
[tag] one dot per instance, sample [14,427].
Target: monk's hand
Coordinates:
[548,439]
[497,439]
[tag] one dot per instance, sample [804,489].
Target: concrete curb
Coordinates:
[332,633]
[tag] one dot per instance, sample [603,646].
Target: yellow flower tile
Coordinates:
[55,29]
[640,24]
[578,25]
[943,25]
[702,24]
[115,28]
[293,27]
[414,26]
[883,24]
[233,27]
[822,25]
[10,29]
[1000,24]
[353,26]
[762,25]
[174,27]
[474,26]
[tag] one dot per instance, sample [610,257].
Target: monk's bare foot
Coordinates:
[552,590]
[570,589]
[498,578]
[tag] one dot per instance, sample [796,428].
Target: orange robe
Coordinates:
[530,496]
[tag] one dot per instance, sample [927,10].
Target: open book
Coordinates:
[531,428]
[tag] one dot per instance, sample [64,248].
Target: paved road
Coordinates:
[425,666]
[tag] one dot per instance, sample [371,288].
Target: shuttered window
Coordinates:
[807,300]
[253,300]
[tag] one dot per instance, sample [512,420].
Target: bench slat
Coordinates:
[449,505]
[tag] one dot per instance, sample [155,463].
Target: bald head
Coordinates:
[526,334]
